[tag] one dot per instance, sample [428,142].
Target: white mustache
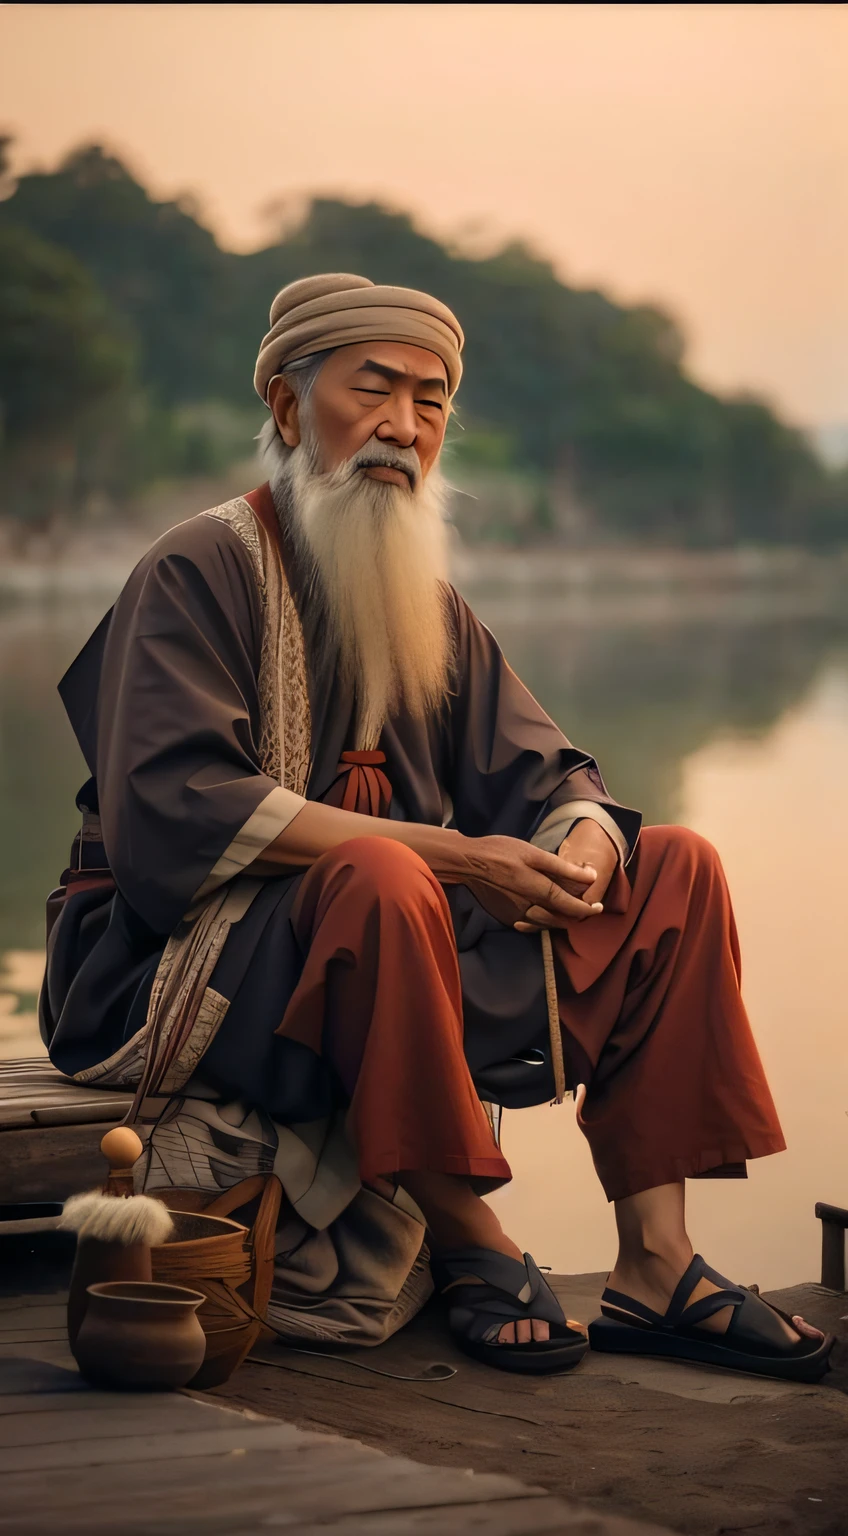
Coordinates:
[377,455]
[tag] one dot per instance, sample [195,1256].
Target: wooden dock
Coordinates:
[692,1450]
[316,1443]
[91,1463]
[50,1131]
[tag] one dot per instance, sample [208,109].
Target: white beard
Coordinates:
[380,555]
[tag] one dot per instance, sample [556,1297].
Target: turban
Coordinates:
[337,309]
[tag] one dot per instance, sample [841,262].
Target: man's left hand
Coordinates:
[588,843]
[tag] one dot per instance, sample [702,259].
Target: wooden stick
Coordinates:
[554,1026]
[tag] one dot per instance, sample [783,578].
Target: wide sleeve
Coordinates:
[184,804]
[512,769]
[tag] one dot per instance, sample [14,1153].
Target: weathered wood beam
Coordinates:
[51,1162]
[834,1221]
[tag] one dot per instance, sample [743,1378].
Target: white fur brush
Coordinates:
[135,1219]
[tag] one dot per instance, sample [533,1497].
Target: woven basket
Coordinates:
[231,1264]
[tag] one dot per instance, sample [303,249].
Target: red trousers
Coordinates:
[650,1008]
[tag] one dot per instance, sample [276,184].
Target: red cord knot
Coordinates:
[360,784]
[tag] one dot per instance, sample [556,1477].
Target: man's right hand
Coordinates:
[519,883]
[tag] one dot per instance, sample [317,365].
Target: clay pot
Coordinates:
[140,1336]
[96,1263]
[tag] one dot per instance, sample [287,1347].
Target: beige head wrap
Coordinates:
[337,309]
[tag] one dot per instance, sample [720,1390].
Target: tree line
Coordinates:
[128,338]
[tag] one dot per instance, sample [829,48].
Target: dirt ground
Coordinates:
[702,1452]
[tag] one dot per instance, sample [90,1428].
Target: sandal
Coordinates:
[486,1289]
[753,1341]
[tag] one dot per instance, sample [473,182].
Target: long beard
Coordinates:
[380,556]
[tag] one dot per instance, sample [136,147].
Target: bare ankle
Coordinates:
[659,1262]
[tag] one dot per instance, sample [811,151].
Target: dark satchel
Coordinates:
[535,1075]
[88,868]
[519,1082]
[88,873]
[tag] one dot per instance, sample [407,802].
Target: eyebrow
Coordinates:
[385,372]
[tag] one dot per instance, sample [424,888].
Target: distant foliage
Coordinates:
[66,361]
[580,410]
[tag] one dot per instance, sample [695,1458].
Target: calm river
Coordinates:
[728,715]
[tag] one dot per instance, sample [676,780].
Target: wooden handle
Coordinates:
[121,1148]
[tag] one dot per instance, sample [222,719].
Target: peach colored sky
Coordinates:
[695,155]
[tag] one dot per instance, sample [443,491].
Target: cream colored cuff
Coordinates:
[267,822]
[558,823]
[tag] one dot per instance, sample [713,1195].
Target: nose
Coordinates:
[399,425]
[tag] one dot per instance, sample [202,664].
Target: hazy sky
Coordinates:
[695,155]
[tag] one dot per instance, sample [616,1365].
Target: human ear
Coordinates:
[283,402]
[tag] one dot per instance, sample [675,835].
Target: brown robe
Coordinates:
[164,702]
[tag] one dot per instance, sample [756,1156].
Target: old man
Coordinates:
[337,862]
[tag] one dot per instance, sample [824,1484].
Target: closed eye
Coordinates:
[362,389]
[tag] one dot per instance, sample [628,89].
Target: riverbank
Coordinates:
[97,562]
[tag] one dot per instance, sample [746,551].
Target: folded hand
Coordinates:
[525,887]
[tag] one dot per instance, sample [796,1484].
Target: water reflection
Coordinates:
[643,696]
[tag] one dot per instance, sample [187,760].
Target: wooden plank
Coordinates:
[519,1517]
[44,1299]
[85,1398]
[26,1086]
[322,1474]
[123,1449]
[50,1162]
[28,1095]
[53,1351]
[833,1255]
[24,1375]
[32,1331]
[53,1315]
[322,1480]
[40,1069]
[30,1066]
[128,1414]
[28,1061]
[32,1335]
[29,1227]
[106,1115]
[83,1114]
[32,1092]
[50,1088]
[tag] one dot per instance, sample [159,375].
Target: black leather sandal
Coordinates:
[753,1342]
[483,1290]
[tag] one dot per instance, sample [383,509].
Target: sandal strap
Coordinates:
[617,1301]
[678,1315]
[499,1271]
[708,1306]
[699,1270]
[754,1325]
[500,1290]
